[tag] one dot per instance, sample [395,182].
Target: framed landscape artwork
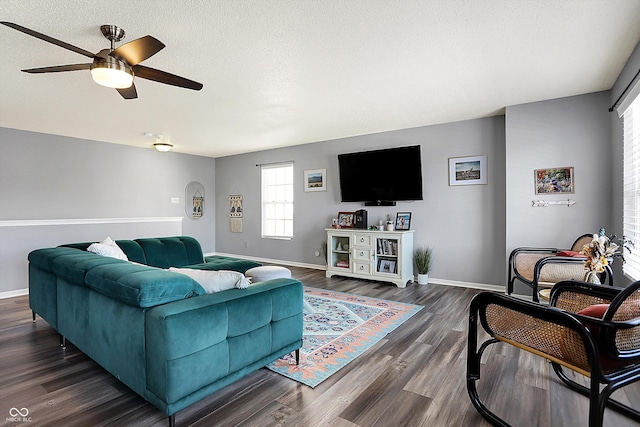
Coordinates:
[468,170]
[554,180]
[315,180]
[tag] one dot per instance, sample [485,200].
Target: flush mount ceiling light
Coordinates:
[161,146]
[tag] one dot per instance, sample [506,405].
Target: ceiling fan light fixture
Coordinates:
[163,147]
[111,72]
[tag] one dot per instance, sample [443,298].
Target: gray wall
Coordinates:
[472,228]
[572,131]
[48,177]
[463,224]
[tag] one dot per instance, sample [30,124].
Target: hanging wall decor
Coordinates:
[554,180]
[235,213]
[194,200]
[468,170]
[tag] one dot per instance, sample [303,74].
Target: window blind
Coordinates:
[631,187]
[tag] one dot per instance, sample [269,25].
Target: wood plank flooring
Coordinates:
[413,377]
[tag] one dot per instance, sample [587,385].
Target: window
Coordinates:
[631,188]
[277,201]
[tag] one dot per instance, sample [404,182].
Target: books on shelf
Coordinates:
[387,247]
[342,263]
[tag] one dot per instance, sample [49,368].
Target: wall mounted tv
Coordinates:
[381,177]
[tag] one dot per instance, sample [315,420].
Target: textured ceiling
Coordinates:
[281,73]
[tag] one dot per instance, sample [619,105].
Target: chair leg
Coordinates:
[597,405]
[63,342]
[297,356]
[172,420]
[474,356]
[33,316]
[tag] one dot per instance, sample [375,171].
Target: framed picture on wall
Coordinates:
[554,180]
[315,180]
[468,170]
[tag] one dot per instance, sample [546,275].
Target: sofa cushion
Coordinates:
[219,262]
[141,286]
[43,258]
[165,252]
[131,248]
[74,266]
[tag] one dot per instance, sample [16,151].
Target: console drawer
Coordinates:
[361,254]
[361,267]
[362,240]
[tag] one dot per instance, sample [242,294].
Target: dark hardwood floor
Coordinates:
[413,377]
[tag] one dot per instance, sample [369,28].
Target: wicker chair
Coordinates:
[606,350]
[542,267]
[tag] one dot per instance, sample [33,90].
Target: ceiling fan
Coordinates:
[114,67]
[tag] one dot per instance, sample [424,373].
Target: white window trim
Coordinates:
[264,203]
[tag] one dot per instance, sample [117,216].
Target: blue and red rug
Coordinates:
[338,327]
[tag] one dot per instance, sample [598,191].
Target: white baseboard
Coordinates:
[16,293]
[472,285]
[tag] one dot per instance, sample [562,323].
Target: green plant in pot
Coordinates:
[422,256]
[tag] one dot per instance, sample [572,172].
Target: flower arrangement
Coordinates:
[602,250]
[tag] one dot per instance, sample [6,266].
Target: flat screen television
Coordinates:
[381,177]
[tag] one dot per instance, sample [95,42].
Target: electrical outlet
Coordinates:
[246,244]
[175,200]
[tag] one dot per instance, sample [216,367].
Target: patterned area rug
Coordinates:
[338,327]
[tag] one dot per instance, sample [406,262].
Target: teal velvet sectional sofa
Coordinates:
[157,331]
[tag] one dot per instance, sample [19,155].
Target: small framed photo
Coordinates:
[554,180]
[468,170]
[315,180]
[346,219]
[403,221]
[387,266]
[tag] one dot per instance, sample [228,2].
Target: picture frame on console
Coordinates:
[346,219]
[403,221]
[467,170]
[387,266]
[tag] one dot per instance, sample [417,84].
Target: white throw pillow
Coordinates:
[215,281]
[108,248]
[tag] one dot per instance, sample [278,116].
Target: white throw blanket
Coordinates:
[215,281]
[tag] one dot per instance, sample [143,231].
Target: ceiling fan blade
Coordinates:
[129,93]
[48,39]
[138,50]
[164,77]
[58,68]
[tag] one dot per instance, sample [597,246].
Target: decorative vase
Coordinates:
[390,227]
[423,279]
[591,277]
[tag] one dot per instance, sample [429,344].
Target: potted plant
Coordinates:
[422,256]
